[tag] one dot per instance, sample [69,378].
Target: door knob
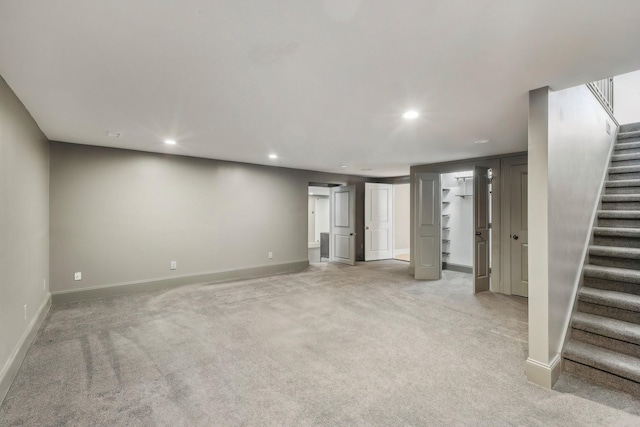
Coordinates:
[367,227]
[515,237]
[478,233]
[352,234]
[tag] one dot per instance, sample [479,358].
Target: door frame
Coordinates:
[367,209]
[505,239]
[494,163]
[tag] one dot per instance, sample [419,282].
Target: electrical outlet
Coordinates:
[174,265]
[270,255]
[77,276]
[25,312]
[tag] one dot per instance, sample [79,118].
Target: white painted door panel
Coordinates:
[343,229]
[481,276]
[428,259]
[378,221]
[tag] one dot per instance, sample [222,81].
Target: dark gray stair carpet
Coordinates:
[628,135]
[622,146]
[604,345]
[610,328]
[612,299]
[612,273]
[621,365]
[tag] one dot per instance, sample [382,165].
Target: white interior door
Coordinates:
[481,247]
[378,221]
[519,232]
[428,257]
[343,224]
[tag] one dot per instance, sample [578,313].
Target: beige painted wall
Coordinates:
[24,222]
[121,216]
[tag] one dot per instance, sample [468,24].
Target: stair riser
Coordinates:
[610,312]
[619,222]
[629,127]
[626,175]
[625,162]
[623,242]
[633,264]
[627,139]
[605,342]
[622,190]
[621,206]
[604,378]
[611,285]
[631,149]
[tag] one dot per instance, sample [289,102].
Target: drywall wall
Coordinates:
[568,157]
[626,98]
[24,230]
[121,216]
[460,218]
[401,218]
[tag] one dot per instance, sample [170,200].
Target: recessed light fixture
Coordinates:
[411,114]
[310,193]
[480,141]
[170,142]
[273,156]
[112,134]
[343,166]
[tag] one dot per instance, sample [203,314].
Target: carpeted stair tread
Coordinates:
[613,299]
[619,214]
[612,273]
[623,183]
[617,231]
[628,135]
[620,198]
[614,252]
[624,169]
[625,157]
[610,328]
[615,363]
[626,146]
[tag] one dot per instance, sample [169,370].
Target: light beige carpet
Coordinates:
[331,346]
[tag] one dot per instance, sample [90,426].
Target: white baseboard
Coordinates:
[543,374]
[10,369]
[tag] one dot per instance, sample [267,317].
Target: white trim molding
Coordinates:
[10,369]
[543,374]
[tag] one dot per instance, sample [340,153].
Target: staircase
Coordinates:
[605,328]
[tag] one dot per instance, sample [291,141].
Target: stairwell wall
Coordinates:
[569,149]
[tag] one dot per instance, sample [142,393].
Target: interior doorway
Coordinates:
[454,224]
[319,224]
[402,222]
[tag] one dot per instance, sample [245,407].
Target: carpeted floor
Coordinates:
[331,346]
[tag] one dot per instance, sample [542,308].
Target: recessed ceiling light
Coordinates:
[310,193]
[113,134]
[273,156]
[480,141]
[343,166]
[169,142]
[411,114]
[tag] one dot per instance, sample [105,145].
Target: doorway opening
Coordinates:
[402,222]
[319,224]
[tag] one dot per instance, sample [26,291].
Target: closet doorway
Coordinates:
[319,224]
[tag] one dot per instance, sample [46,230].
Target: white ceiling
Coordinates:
[319,82]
